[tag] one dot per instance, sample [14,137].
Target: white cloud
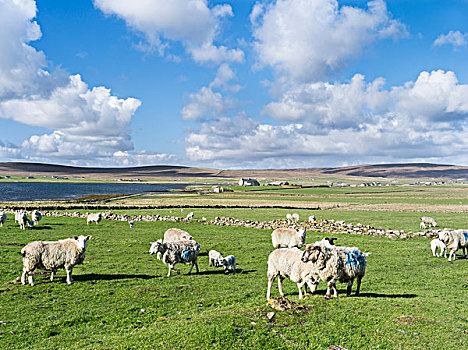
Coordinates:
[191,22]
[345,123]
[306,39]
[455,38]
[206,103]
[86,123]
[10,151]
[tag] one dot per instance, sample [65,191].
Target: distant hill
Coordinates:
[410,170]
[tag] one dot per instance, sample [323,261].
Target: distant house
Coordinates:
[248,182]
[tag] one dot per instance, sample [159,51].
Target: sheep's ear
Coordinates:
[75,237]
[89,237]
[159,241]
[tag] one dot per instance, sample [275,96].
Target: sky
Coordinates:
[234,84]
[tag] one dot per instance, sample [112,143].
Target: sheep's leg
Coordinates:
[69,274]
[299,286]
[335,291]
[270,283]
[358,284]
[280,285]
[445,253]
[312,286]
[23,278]
[52,276]
[452,253]
[196,265]
[30,279]
[350,286]
[209,262]
[235,269]
[329,287]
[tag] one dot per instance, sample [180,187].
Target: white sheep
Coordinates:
[3,218]
[437,243]
[286,262]
[288,216]
[176,234]
[177,252]
[18,215]
[52,256]
[190,215]
[429,221]
[454,240]
[422,225]
[312,218]
[295,217]
[288,238]
[36,216]
[214,258]
[23,220]
[131,224]
[229,264]
[94,217]
[337,264]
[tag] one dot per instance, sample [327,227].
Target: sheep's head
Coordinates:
[302,234]
[82,241]
[444,236]
[157,247]
[311,253]
[331,240]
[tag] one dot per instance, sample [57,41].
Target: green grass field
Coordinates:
[121,298]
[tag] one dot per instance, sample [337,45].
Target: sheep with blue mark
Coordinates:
[454,240]
[175,252]
[3,218]
[343,264]
[229,264]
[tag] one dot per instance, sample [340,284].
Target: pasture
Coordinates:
[121,299]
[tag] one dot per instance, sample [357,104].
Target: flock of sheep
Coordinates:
[321,260]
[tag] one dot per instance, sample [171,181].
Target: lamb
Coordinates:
[437,243]
[51,256]
[3,218]
[214,258]
[295,217]
[422,225]
[288,216]
[18,215]
[454,240]
[337,264]
[429,221]
[229,264]
[23,220]
[94,217]
[36,217]
[190,215]
[328,241]
[286,262]
[312,218]
[177,252]
[288,238]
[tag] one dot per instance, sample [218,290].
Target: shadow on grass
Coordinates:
[377,295]
[36,228]
[108,277]
[221,272]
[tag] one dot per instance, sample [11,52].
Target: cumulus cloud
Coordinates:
[345,123]
[10,151]
[304,40]
[455,38]
[190,22]
[88,125]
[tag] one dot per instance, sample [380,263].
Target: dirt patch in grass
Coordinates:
[407,320]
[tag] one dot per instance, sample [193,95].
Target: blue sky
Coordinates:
[234,84]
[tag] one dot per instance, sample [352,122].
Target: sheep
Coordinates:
[51,256]
[337,264]
[288,238]
[3,218]
[428,220]
[177,252]
[454,240]
[23,220]
[36,217]
[131,224]
[288,216]
[214,258]
[312,218]
[229,264]
[422,225]
[437,243]
[286,262]
[295,217]
[175,234]
[190,215]
[328,241]
[94,217]
[18,215]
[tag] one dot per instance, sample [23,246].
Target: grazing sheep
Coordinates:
[429,221]
[94,217]
[328,241]
[131,224]
[422,225]
[337,264]
[454,240]
[288,216]
[214,258]
[437,243]
[229,264]
[190,215]
[295,217]
[287,263]
[177,252]
[36,216]
[176,234]
[18,215]
[3,218]
[312,218]
[52,256]
[288,238]
[23,220]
